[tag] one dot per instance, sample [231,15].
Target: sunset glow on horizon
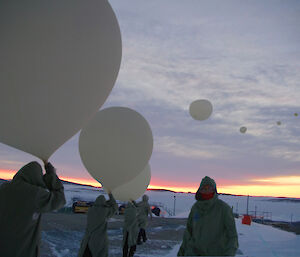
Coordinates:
[283,186]
[7,174]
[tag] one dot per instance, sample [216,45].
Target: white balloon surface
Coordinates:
[243,130]
[115,146]
[59,62]
[201,109]
[135,188]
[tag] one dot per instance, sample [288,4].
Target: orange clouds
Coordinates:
[7,174]
[90,182]
[283,186]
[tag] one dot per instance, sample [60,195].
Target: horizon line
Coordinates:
[165,189]
[192,190]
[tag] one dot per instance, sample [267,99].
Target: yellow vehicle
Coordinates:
[81,206]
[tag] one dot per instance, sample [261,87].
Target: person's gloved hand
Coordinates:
[49,168]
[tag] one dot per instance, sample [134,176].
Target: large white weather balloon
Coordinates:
[243,129]
[115,146]
[59,61]
[135,188]
[201,109]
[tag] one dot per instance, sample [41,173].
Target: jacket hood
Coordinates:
[145,198]
[205,181]
[31,173]
[100,201]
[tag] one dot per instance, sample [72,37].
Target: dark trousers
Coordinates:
[142,234]
[125,248]
[87,252]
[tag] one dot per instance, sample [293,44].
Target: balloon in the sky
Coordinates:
[201,109]
[243,129]
[59,61]
[135,188]
[115,146]
[295,114]
[278,123]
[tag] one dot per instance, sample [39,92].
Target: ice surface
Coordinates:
[255,240]
[281,210]
[262,240]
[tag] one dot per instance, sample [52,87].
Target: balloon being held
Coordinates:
[115,146]
[201,109]
[243,130]
[59,62]
[135,188]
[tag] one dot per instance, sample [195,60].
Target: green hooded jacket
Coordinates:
[96,230]
[143,211]
[22,201]
[210,229]
[130,224]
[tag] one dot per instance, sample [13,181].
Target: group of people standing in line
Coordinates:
[95,240]
[210,229]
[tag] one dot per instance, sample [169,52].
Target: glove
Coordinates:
[49,168]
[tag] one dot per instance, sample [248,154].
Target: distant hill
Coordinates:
[284,199]
[2,181]
[77,184]
[161,190]
[231,194]
[274,199]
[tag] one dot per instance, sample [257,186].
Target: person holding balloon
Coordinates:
[23,200]
[210,229]
[130,229]
[95,240]
[142,216]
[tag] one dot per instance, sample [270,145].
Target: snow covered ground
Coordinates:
[261,240]
[255,240]
[279,209]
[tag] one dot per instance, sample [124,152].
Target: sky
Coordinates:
[242,56]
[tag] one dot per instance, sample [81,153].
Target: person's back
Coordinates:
[142,216]
[130,216]
[144,209]
[210,227]
[130,230]
[95,241]
[23,200]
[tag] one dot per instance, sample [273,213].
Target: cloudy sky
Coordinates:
[244,57]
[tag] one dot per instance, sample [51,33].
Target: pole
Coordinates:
[237,208]
[255,211]
[247,203]
[174,204]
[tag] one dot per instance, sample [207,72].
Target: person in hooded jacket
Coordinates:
[130,229]
[142,216]
[210,229]
[23,200]
[95,240]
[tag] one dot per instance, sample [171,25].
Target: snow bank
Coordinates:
[262,240]
[281,210]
